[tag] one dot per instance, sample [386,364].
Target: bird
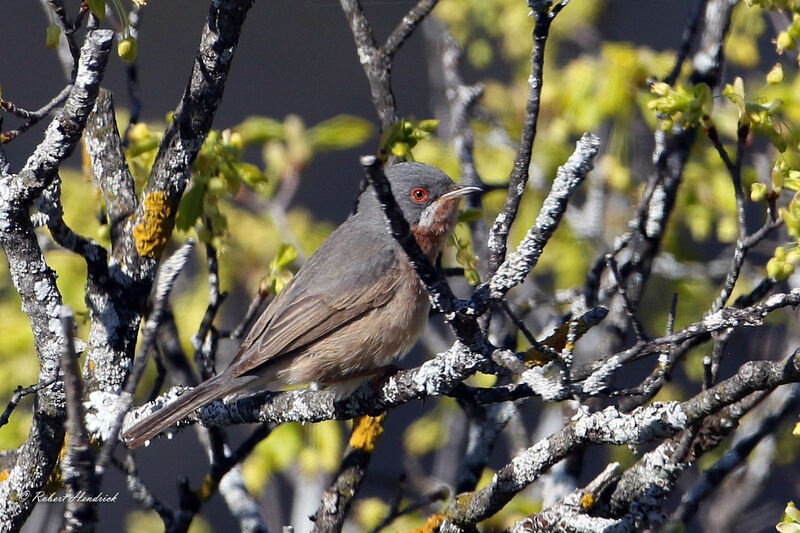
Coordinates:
[354,307]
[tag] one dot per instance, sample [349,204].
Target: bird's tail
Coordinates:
[208,391]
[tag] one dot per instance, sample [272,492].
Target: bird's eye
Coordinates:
[419,194]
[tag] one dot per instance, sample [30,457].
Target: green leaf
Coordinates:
[340,133]
[98,7]
[286,254]
[53,35]
[260,129]
[190,208]
[250,173]
[403,135]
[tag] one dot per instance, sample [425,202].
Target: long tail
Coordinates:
[208,391]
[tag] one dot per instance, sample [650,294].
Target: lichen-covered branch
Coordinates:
[595,375]
[516,267]
[109,166]
[117,309]
[64,132]
[35,281]
[498,236]
[645,424]
[337,499]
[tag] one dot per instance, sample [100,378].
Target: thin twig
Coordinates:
[19,393]
[638,327]
[689,32]
[78,470]
[518,179]
[32,117]
[407,26]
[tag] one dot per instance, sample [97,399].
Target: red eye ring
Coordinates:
[419,194]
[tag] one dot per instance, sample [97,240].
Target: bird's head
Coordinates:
[429,200]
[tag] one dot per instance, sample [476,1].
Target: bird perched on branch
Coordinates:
[352,308]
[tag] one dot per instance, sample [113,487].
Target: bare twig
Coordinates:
[498,236]
[638,327]
[19,393]
[377,61]
[689,32]
[32,117]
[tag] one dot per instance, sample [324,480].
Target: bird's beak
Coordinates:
[458,193]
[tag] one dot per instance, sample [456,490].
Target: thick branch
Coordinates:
[109,167]
[146,233]
[337,499]
[36,285]
[64,132]
[143,236]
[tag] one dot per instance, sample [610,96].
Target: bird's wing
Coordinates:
[343,280]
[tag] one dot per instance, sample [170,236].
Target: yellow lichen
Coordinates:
[587,500]
[431,524]
[366,432]
[207,489]
[3,475]
[151,233]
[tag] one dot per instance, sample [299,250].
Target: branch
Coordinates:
[483,434]
[32,117]
[407,26]
[109,167]
[689,33]
[644,424]
[597,373]
[570,513]
[169,273]
[92,252]
[78,464]
[64,132]
[498,236]
[336,500]
[143,235]
[434,377]
[649,222]
[19,393]
[517,266]
[146,233]
[35,281]
[377,62]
